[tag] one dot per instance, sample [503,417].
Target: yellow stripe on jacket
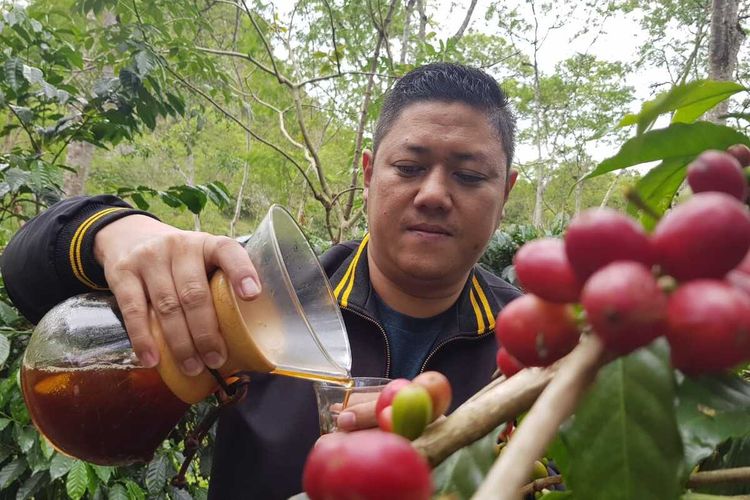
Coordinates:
[76,243]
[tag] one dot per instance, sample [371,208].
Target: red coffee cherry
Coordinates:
[741,152]
[543,269]
[367,465]
[600,236]
[507,364]
[709,327]
[625,306]
[536,332]
[717,171]
[705,237]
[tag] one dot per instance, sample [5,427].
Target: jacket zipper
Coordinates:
[448,341]
[382,332]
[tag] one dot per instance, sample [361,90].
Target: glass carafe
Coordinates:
[89,395]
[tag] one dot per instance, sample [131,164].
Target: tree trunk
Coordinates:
[79,154]
[541,182]
[726,38]
[467,18]
[422,20]
[407,30]
[579,196]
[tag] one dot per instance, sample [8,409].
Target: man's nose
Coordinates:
[434,191]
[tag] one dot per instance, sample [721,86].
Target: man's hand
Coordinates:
[148,262]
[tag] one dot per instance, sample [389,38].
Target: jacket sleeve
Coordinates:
[51,257]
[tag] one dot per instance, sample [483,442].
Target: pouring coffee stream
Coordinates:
[89,395]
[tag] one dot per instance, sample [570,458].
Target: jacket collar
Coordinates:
[476,309]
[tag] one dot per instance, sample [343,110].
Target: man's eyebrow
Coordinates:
[420,150]
[463,156]
[477,156]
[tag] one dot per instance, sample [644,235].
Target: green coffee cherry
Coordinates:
[411,411]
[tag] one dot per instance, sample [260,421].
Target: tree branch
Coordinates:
[281,78]
[333,35]
[556,403]
[478,416]
[240,55]
[464,24]
[704,478]
[255,136]
[365,105]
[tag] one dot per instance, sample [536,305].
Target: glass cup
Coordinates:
[333,398]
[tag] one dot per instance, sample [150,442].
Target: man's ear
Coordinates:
[367,164]
[510,182]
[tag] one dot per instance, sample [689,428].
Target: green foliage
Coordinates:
[688,101]
[623,441]
[498,257]
[711,410]
[674,146]
[461,474]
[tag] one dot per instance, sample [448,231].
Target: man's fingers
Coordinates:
[166,303]
[131,299]
[227,254]
[194,295]
[357,417]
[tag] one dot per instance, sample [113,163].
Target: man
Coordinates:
[411,294]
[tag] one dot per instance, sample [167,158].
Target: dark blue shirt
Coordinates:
[411,339]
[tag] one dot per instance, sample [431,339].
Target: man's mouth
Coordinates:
[435,229]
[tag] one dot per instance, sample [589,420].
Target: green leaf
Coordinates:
[711,410]
[118,492]
[679,140]
[711,94]
[33,484]
[24,114]
[192,197]
[4,423]
[690,101]
[703,496]
[60,465]
[32,74]
[624,442]
[180,494]
[25,437]
[105,86]
[77,480]
[11,472]
[145,62]
[46,447]
[558,495]
[170,200]
[460,475]
[102,472]
[177,103]
[135,492]
[140,201]
[217,195]
[130,80]
[658,187]
[4,349]
[156,474]
[14,73]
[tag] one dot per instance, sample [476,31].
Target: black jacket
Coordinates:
[262,442]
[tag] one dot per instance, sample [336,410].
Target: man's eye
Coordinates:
[409,170]
[469,178]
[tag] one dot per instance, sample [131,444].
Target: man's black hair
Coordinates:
[450,82]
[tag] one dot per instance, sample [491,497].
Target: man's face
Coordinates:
[435,194]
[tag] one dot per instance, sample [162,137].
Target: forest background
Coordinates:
[207,111]
[276,102]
